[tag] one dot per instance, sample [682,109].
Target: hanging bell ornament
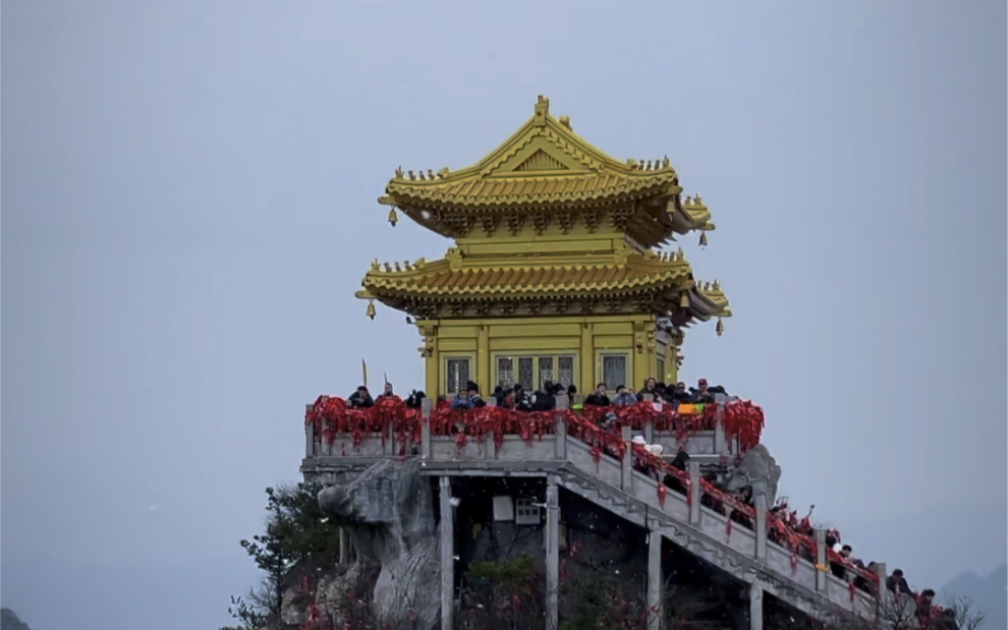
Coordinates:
[719,328]
[393,218]
[371,312]
[684,301]
[703,239]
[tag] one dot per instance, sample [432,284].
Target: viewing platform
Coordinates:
[703,445]
[606,467]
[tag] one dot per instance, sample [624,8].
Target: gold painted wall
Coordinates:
[532,350]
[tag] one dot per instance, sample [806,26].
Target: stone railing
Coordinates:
[800,561]
[704,445]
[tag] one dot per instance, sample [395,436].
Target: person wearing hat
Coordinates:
[702,394]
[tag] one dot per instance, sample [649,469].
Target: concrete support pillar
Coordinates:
[344,546]
[552,553]
[654,581]
[447,555]
[755,607]
[760,524]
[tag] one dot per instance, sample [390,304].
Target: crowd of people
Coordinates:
[516,397]
[842,562]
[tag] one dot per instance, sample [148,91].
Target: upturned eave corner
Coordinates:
[690,214]
[709,301]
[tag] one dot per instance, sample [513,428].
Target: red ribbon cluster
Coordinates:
[744,420]
[331,416]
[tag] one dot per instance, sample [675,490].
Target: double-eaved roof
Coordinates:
[546,182]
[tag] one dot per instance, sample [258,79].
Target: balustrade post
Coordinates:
[390,439]
[822,560]
[883,601]
[426,406]
[560,433]
[489,443]
[719,432]
[309,436]
[695,492]
[649,425]
[627,477]
[760,526]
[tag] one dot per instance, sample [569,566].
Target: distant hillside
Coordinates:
[989,594]
[10,621]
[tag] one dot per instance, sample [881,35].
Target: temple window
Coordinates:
[614,370]
[457,373]
[533,371]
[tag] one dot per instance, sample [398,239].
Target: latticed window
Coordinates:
[532,372]
[565,371]
[526,376]
[614,370]
[545,370]
[458,374]
[505,372]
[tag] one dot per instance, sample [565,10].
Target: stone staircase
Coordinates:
[567,462]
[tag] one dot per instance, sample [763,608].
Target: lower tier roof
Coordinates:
[640,283]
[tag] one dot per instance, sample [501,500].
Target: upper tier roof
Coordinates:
[546,167]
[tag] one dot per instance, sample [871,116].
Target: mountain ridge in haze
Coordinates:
[989,594]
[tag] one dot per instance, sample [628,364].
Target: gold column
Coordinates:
[642,369]
[432,362]
[673,354]
[483,374]
[588,377]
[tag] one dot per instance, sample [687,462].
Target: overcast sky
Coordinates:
[189,202]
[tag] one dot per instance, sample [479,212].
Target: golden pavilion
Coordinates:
[555,273]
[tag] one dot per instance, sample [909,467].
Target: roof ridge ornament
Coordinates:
[541,109]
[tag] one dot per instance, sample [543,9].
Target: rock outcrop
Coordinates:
[759,470]
[10,621]
[388,513]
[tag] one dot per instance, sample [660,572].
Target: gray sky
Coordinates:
[189,202]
